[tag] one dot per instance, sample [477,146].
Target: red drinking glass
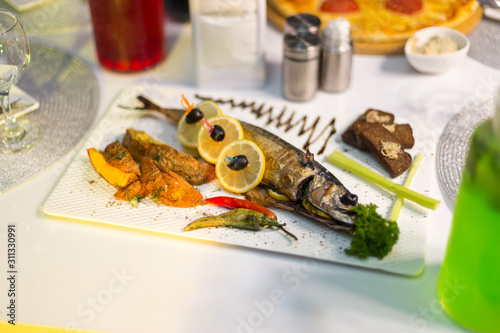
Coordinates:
[129,34]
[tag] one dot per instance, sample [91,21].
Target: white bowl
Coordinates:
[436,63]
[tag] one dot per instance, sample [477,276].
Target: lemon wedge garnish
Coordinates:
[246,179]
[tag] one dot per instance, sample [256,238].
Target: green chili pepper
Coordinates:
[239,218]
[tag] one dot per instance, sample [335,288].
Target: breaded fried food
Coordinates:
[168,187]
[141,145]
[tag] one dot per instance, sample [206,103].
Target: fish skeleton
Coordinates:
[310,189]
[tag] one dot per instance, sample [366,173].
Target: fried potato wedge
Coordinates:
[111,174]
[135,190]
[141,145]
[116,155]
[168,187]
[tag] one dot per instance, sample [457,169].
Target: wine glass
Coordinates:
[16,134]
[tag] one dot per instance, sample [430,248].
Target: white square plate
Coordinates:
[82,194]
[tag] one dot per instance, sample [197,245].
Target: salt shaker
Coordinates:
[300,66]
[301,24]
[229,42]
[336,57]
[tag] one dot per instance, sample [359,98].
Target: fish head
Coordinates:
[327,194]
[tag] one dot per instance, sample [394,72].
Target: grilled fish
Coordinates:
[300,178]
[309,188]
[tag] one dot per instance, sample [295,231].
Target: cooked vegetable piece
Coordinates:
[111,174]
[231,202]
[372,235]
[141,145]
[167,187]
[133,191]
[338,159]
[138,143]
[240,218]
[116,155]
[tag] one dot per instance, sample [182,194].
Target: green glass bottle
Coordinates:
[469,281]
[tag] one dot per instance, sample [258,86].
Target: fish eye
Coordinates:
[349,199]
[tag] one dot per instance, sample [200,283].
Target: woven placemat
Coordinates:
[68,93]
[485,43]
[454,144]
[53,16]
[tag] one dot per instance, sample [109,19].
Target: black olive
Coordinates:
[194,116]
[218,133]
[238,163]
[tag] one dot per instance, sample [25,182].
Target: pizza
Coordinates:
[382,21]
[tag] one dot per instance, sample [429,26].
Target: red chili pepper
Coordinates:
[231,202]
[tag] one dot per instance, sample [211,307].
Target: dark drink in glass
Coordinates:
[129,34]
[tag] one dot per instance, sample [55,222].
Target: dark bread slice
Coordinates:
[376,116]
[359,127]
[388,150]
[402,132]
[350,138]
[366,120]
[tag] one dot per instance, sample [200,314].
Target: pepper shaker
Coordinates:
[300,24]
[336,57]
[300,66]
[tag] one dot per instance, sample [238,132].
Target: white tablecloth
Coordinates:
[81,276]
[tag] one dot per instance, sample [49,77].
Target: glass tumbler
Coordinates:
[229,43]
[129,34]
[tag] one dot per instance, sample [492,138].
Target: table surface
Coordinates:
[82,276]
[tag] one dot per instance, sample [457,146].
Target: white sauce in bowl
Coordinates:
[435,45]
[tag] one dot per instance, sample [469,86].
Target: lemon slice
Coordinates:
[276,195]
[188,133]
[246,179]
[208,148]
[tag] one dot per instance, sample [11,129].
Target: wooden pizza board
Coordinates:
[465,27]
